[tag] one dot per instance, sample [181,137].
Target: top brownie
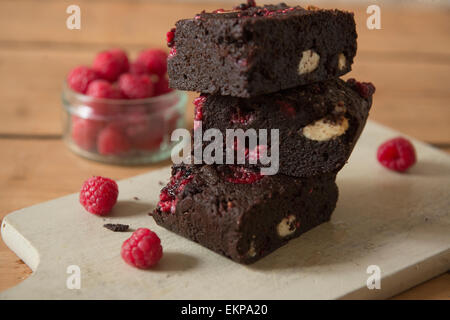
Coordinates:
[253,50]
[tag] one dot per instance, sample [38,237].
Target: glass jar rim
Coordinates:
[83,106]
[88,99]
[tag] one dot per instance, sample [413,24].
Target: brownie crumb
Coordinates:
[117,227]
[135,198]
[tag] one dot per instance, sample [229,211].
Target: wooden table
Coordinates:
[408,60]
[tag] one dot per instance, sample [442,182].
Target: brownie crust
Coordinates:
[259,50]
[244,221]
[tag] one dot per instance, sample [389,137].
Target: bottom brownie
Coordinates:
[239,213]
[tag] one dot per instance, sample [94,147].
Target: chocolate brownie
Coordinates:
[240,214]
[258,50]
[318,124]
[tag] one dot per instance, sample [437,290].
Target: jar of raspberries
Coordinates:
[122,112]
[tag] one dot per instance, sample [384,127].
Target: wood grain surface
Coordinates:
[408,60]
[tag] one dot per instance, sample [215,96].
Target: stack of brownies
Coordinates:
[271,67]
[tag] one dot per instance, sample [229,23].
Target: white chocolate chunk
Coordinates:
[309,62]
[252,251]
[342,61]
[323,129]
[285,227]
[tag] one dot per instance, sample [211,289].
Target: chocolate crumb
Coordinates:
[135,198]
[116,227]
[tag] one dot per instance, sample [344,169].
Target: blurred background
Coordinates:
[408,60]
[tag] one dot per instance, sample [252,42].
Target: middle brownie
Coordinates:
[318,124]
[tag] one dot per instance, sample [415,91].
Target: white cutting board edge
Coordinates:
[406,231]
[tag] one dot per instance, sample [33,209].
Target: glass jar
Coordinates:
[124,132]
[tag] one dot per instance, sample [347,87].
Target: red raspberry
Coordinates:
[103,89]
[110,64]
[85,132]
[242,117]
[138,68]
[172,52]
[145,132]
[154,60]
[170,36]
[113,141]
[135,86]
[122,57]
[256,153]
[242,175]
[143,249]
[150,142]
[98,195]
[162,87]
[198,109]
[287,108]
[397,154]
[365,89]
[168,196]
[80,77]
[239,146]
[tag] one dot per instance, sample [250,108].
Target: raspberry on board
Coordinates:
[155,60]
[134,86]
[397,154]
[143,249]
[80,77]
[110,64]
[112,140]
[98,195]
